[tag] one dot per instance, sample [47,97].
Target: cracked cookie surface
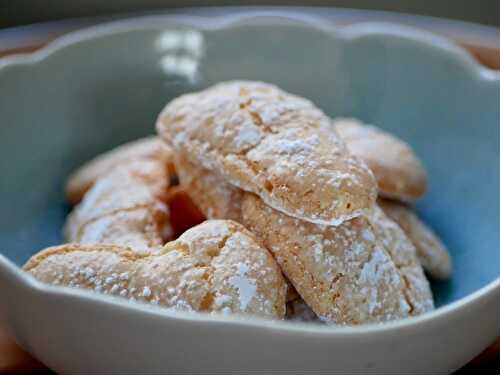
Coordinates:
[384,231]
[349,274]
[431,251]
[81,180]
[217,266]
[277,145]
[398,171]
[124,207]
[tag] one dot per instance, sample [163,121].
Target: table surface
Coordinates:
[481,41]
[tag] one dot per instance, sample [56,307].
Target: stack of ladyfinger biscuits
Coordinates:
[309,218]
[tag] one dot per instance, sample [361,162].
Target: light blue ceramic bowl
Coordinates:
[95,89]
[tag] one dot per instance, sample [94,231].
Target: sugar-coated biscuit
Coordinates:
[400,249]
[219,200]
[277,145]
[217,266]
[399,172]
[80,181]
[391,237]
[348,274]
[124,207]
[432,253]
[404,255]
[215,198]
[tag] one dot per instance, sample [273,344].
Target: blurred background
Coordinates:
[21,12]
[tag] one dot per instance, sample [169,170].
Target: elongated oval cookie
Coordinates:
[399,173]
[390,237]
[277,145]
[80,181]
[217,266]
[124,208]
[218,199]
[404,255]
[431,252]
[349,274]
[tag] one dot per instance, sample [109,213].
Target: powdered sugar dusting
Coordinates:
[377,268]
[210,268]
[273,144]
[246,288]
[296,146]
[248,135]
[348,264]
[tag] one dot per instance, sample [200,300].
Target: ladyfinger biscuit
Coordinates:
[432,253]
[346,274]
[404,255]
[219,200]
[80,181]
[124,208]
[400,174]
[217,266]
[391,237]
[274,144]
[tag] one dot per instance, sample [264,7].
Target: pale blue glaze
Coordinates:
[87,97]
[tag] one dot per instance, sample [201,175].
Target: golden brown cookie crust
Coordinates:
[217,266]
[81,180]
[393,240]
[124,208]
[400,174]
[431,251]
[404,255]
[277,145]
[344,273]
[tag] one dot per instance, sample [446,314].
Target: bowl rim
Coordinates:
[252,17]
[15,275]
